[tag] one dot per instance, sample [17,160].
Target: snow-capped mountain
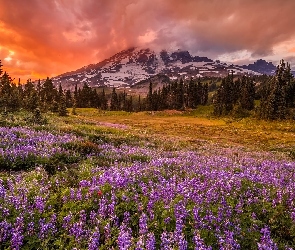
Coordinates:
[135,65]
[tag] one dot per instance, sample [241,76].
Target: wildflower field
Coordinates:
[123,181]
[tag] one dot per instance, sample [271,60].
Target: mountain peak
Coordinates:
[261,66]
[134,65]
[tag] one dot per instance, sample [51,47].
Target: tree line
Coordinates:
[46,97]
[269,97]
[275,95]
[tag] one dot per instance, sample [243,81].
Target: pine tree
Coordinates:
[48,95]
[30,96]
[180,95]
[274,102]
[190,94]
[247,93]
[150,98]
[103,101]
[204,98]
[69,99]
[74,107]
[62,107]
[114,100]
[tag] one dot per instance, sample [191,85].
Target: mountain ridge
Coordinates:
[133,65]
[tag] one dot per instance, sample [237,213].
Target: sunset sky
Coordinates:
[40,38]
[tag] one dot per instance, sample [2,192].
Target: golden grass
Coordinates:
[190,128]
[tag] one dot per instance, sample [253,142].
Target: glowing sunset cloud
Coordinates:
[46,38]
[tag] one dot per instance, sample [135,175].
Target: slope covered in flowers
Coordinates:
[142,196]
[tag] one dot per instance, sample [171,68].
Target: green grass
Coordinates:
[187,128]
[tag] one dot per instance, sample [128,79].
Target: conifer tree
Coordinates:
[103,101]
[274,101]
[150,98]
[74,107]
[69,99]
[62,107]
[180,95]
[247,93]
[204,98]
[114,100]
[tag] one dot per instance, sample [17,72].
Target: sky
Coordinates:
[40,38]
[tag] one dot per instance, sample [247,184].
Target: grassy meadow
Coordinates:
[146,180]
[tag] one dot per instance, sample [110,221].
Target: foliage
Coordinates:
[278,95]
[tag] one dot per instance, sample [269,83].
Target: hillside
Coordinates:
[135,65]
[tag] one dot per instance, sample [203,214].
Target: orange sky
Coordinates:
[40,38]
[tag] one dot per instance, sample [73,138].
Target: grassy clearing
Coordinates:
[189,128]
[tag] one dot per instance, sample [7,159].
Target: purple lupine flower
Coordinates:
[228,241]
[167,220]
[40,203]
[94,240]
[77,231]
[66,221]
[199,243]
[140,244]
[85,183]
[143,228]
[182,243]
[17,236]
[266,243]
[150,241]
[166,241]
[30,228]
[83,216]
[5,231]
[107,231]
[93,218]
[2,190]
[72,194]
[124,238]
[79,195]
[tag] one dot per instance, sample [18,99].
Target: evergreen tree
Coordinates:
[30,95]
[103,101]
[204,98]
[114,101]
[247,93]
[85,97]
[150,98]
[62,107]
[69,99]
[48,95]
[180,95]
[198,93]
[223,100]
[74,107]
[190,94]
[274,101]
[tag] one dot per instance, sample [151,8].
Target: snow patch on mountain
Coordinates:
[133,65]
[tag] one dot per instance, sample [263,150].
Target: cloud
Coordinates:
[54,36]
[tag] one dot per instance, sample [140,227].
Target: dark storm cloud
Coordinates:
[54,36]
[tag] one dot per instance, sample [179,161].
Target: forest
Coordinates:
[265,97]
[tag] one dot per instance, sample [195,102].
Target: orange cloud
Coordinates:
[54,36]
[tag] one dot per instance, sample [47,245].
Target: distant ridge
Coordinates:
[134,65]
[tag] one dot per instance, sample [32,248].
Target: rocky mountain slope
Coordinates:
[131,66]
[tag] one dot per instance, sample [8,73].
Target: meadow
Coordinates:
[146,180]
